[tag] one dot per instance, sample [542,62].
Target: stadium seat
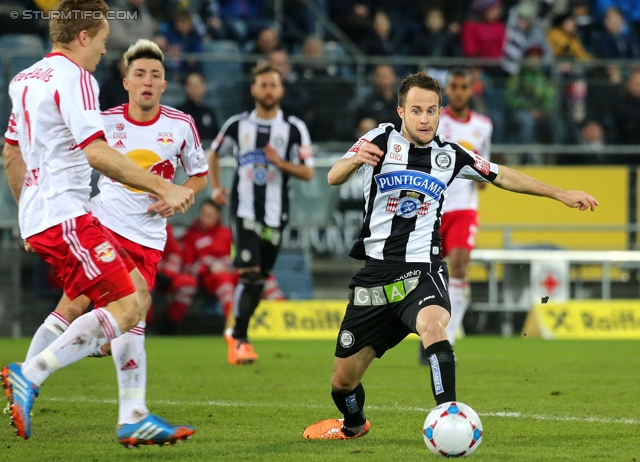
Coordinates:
[224,78]
[293,272]
[23,50]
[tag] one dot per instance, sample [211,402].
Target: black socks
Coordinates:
[351,404]
[443,371]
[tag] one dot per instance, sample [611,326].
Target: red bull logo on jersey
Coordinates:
[165,140]
[105,252]
[164,169]
[152,162]
[410,180]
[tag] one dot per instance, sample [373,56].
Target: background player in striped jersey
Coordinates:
[269,147]
[470,130]
[155,138]
[55,136]
[403,285]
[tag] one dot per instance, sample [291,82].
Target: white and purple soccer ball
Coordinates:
[452,429]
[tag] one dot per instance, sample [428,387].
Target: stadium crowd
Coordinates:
[538,83]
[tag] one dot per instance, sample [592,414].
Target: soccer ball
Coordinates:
[452,429]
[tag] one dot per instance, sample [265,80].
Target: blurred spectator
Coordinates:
[382,104]
[530,98]
[604,85]
[267,41]
[627,111]
[171,280]
[483,37]
[585,27]
[112,92]
[454,11]
[630,9]
[352,16]
[383,39]
[366,125]
[592,136]
[124,32]
[207,256]
[195,87]
[564,40]
[176,38]
[523,32]
[295,99]
[617,41]
[234,19]
[434,39]
[327,94]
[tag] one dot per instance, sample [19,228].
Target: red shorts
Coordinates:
[85,254]
[458,230]
[144,258]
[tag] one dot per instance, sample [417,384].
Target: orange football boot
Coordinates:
[331,429]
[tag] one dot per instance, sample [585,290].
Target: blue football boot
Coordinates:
[21,394]
[153,430]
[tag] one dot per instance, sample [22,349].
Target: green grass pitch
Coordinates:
[538,401]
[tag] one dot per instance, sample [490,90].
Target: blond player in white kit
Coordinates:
[156,138]
[459,124]
[55,137]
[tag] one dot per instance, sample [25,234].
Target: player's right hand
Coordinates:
[219,196]
[27,246]
[369,154]
[178,197]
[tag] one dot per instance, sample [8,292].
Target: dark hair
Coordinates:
[458,72]
[420,80]
[64,26]
[263,68]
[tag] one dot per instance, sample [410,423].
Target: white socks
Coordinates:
[84,336]
[52,327]
[458,290]
[130,359]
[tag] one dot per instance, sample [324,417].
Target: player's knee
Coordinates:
[71,310]
[253,281]
[432,322]
[342,383]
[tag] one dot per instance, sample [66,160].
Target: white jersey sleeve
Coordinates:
[80,109]
[191,154]
[11,135]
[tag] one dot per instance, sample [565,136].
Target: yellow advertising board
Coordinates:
[297,320]
[585,319]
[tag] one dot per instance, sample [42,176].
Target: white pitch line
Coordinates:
[424,410]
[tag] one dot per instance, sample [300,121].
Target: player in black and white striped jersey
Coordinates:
[403,285]
[268,147]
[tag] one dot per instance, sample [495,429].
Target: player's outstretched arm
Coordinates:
[114,165]
[513,180]
[218,193]
[15,169]
[342,170]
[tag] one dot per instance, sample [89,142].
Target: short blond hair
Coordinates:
[64,25]
[142,49]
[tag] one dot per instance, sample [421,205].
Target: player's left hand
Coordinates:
[160,207]
[579,200]
[272,155]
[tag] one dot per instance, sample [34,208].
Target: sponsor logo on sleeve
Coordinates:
[482,165]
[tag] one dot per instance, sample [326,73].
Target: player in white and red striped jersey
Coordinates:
[458,123]
[55,137]
[156,138]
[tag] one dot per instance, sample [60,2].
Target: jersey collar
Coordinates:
[136,122]
[254,116]
[450,114]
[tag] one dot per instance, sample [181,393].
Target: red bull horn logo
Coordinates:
[150,161]
[165,140]
[105,252]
